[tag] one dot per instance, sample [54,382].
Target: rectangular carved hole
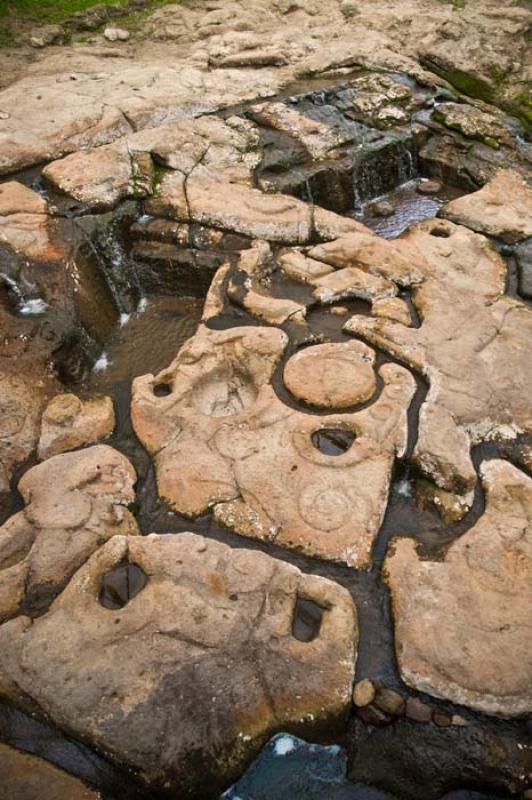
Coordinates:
[306,622]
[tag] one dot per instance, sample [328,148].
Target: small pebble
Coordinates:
[460,721]
[339,311]
[363,693]
[116,34]
[373,716]
[390,702]
[4,115]
[382,209]
[429,187]
[349,9]
[441,719]
[418,711]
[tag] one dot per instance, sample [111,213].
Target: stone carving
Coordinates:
[190,678]
[332,375]
[74,503]
[463,624]
[222,439]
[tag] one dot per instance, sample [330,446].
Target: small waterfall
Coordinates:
[26,304]
[105,238]
[381,167]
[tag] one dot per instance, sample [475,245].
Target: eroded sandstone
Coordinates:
[156,694]
[74,502]
[332,375]
[222,439]
[471,346]
[68,423]
[462,624]
[502,208]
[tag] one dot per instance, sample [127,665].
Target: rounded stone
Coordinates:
[363,693]
[383,208]
[63,409]
[417,710]
[429,187]
[336,375]
[390,702]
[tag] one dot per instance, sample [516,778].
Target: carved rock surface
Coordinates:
[501,208]
[74,502]
[222,438]
[21,402]
[463,624]
[471,346]
[332,375]
[192,675]
[68,423]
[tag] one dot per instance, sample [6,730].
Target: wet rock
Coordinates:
[73,503]
[24,776]
[237,442]
[451,507]
[363,693]
[502,208]
[168,269]
[523,256]
[378,100]
[390,701]
[429,187]
[290,768]
[473,123]
[382,209]
[371,715]
[418,711]
[68,423]
[22,398]
[322,130]
[163,703]
[332,375]
[479,756]
[47,35]
[479,379]
[116,34]
[475,602]
[442,720]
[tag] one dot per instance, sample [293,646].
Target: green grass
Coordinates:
[49,11]
[17,14]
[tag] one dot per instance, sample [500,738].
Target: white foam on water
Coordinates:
[33,307]
[284,745]
[101,364]
[404,488]
[124,319]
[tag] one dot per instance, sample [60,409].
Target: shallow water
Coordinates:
[410,207]
[146,341]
